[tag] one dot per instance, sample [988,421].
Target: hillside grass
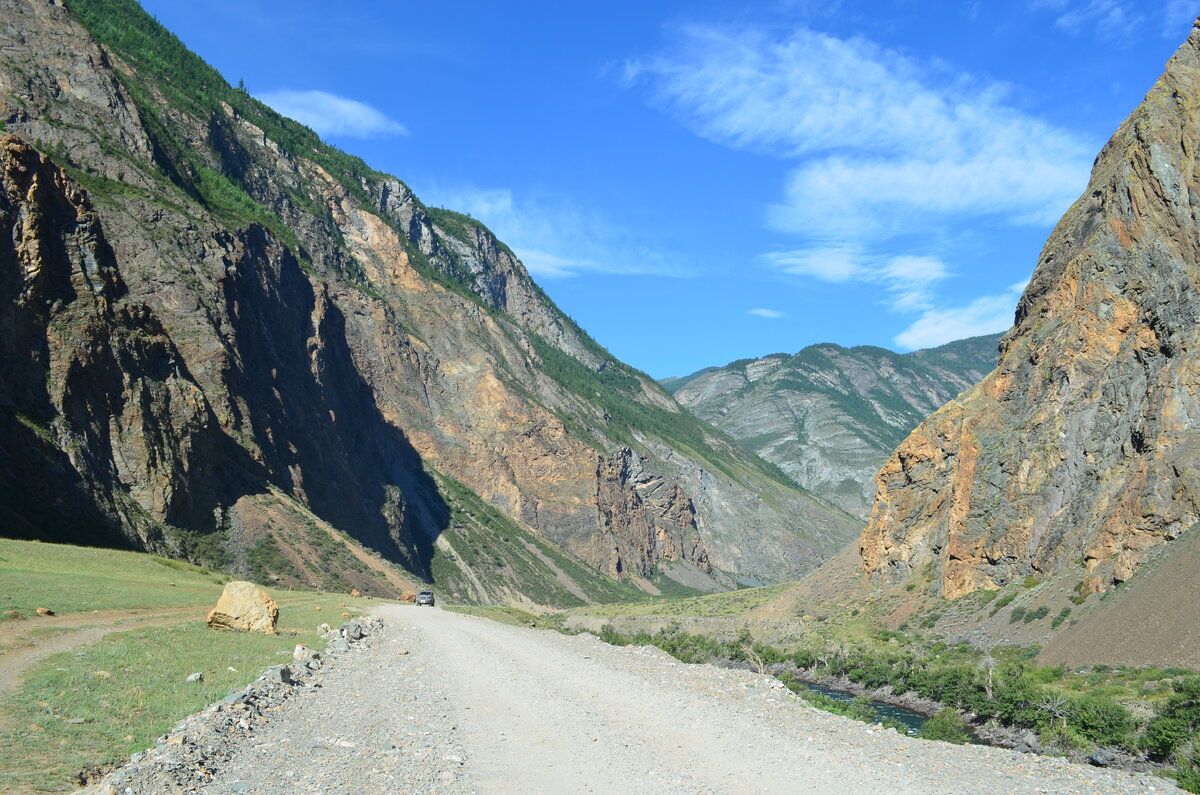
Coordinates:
[129,687]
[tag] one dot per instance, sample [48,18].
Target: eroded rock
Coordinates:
[244,607]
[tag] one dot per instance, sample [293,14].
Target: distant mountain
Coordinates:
[829,416]
[225,340]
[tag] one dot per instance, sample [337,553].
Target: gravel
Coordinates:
[444,703]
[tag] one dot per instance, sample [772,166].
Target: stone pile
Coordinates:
[185,759]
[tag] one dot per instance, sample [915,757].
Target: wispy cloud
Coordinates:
[772,314]
[1108,19]
[985,315]
[874,135]
[876,149]
[333,116]
[555,240]
[908,280]
[1178,16]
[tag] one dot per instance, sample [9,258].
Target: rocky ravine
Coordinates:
[830,416]
[1077,454]
[554,713]
[229,342]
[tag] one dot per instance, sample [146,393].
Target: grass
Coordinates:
[69,579]
[717,604]
[505,615]
[129,687]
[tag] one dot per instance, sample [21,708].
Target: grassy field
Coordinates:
[70,579]
[95,706]
[733,603]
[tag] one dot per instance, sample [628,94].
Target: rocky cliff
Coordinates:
[1077,455]
[830,416]
[229,342]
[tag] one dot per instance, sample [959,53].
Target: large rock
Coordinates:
[245,607]
[1077,455]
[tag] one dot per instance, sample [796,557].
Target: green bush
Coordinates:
[1100,719]
[947,726]
[1003,602]
[1034,615]
[1060,618]
[1016,615]
[1062,738]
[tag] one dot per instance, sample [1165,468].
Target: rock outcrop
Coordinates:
[244,607]
[1078,453]
[830,416]
[232,343]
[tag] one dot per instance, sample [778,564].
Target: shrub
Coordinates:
[1060,618]
[1002,603]
[947,726]
[1062,738]
[1016,615]
[1034,615]
[1100,719]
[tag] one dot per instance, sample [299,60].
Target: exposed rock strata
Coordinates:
[1079,452]
[249,349]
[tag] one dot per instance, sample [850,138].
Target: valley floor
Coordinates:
[444,702]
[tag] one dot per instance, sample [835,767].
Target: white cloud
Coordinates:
[772,314]
[332,116]
[834,264]
[554,240]
[907,279]
[877,150]
[1178,16]
[873,135]
[985,315]
[1111,19]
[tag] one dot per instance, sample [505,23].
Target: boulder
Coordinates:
[245,607]
[408,596]
[354,592]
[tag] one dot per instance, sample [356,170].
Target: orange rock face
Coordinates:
[1079,450]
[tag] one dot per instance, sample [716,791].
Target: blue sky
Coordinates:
[695,181]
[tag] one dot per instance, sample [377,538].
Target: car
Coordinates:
[425,598]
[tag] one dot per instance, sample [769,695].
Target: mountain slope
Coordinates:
[1077,456]
[829,416]
[229,341]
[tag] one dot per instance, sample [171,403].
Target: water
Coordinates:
[913,721]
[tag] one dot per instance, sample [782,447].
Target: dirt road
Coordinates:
[451,703]
[24,643]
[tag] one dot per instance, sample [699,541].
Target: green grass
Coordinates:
[511,616]
[129,687]
[69,579]
[709,605]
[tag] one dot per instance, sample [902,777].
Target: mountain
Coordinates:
[1076,458]
[829,416]
[227,341]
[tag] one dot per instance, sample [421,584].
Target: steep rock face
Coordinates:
[829,416]
[327,358]
[1079,450]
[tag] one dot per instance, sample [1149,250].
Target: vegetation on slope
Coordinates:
[1073,712]
[483,545]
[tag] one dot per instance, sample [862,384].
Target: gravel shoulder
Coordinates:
[442,702]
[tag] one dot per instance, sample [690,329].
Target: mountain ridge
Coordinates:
[829,415]
[351,351]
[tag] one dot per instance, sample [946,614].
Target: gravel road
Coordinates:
[475,706]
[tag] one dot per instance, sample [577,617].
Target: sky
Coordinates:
[696,182]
